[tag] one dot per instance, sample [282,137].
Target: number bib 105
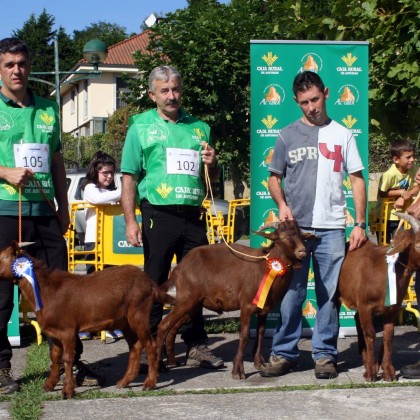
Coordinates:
[182,161]
[33,156]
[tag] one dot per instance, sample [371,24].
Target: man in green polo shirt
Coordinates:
[163,165]
[30,160]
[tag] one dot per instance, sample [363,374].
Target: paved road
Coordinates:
[267,401]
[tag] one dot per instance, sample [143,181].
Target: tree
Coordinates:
[109,33]
[38,34]
[209,44]
[391,27]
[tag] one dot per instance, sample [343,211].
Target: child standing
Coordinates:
[99,188]
[398,181]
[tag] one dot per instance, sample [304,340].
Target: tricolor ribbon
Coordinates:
[23,267]
[391,284]
[276,268]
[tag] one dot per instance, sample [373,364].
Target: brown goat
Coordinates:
[223,279]
[118,297]
[362,286]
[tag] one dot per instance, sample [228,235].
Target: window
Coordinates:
[122,89]
[72,102]
[85,99]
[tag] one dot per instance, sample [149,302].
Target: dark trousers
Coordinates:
[49,247]
[170,231]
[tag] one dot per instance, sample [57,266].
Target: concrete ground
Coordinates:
[267,400]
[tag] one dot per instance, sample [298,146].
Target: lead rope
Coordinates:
[20,217]
[20,207]
[213,208]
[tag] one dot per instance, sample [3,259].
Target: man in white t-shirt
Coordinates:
[311,157]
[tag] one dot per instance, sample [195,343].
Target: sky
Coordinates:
[78,14]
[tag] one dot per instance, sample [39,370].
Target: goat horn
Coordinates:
[415,223]
[272,225]
[22,244]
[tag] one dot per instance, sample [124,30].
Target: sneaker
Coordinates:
[202,356]
[83,376]
[411,371]
[85,336]
[325,369]
[116,334]
[277,366]
[7,383]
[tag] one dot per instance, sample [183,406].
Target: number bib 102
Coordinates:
[182,161]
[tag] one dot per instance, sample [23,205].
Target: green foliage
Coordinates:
[209,44]
[391,27]
[109,33]
[38,34]
[379,157]
[27,403]
[78,151]
[117,126]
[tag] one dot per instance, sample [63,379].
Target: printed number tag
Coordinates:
[182,161]
[33,156]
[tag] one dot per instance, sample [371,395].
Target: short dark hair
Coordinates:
[305,80]
[398,147]
[14,46]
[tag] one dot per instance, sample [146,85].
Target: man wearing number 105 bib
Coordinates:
[163,165]
[312,156]
[30,157]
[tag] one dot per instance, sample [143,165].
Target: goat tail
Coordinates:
[161,296]
[168,284]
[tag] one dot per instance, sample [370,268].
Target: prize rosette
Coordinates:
[276,268]
[391,284]
[23,267]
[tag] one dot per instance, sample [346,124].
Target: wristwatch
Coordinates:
[360,225]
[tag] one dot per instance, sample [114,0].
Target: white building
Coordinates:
[87,103]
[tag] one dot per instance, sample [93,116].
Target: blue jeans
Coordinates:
[327,252]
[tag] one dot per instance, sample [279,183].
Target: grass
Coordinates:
[27,403]
[224,325]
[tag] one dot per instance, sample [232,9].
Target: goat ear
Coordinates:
[15,246]
[402,241]
[269,235]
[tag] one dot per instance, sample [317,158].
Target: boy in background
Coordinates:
[398,181]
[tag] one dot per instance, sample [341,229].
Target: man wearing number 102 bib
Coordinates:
[163,165]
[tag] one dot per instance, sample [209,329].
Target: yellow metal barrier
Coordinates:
[111,247]
[25,309]
[217,227]
[378,225]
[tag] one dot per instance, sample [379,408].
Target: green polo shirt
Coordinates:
[38,123]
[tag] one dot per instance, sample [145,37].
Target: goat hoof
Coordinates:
[370,378]
[149,385]
[67,395]
[389,378]
[238,376]
[48,387]
[121,383]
